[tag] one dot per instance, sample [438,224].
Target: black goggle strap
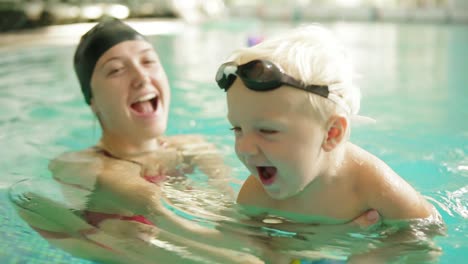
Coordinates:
[338,99]
[321,90]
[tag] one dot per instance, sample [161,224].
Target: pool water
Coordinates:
[413,81]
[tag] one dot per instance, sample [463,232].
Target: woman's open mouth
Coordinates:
[146,105]
[267,174]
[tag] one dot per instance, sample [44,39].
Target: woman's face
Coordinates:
[130,91]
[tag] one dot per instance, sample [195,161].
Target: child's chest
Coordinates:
[340,203]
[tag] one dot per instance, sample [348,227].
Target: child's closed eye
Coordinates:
[149,61]
[236,130]
[268,131]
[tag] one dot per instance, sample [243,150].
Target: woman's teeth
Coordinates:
[146,97]
[146,104]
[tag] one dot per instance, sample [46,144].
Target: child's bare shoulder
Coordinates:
[251,193]
[383,189]
[367,168]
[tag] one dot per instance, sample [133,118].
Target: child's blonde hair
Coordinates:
[312,55]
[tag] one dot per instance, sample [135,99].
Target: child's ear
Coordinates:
[335,133]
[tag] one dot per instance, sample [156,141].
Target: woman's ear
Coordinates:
[335,133]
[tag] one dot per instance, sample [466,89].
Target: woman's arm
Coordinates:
[201,154]
[122,187]
[118,187]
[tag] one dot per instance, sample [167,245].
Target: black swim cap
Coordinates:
[94,43]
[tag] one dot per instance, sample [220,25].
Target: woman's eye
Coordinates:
[114,71]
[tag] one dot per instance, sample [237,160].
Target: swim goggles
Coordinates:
[263,75]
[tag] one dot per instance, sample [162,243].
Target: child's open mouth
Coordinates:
[267,174]
[146,104]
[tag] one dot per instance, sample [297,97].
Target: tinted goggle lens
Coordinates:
[258,75]
[226,75]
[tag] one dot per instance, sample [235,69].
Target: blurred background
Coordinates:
[23,14]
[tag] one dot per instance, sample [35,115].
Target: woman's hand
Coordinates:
[367,219]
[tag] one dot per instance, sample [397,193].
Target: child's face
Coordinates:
[278,137]
[131,91]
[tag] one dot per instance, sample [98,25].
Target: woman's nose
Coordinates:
[246,145]
[139,76]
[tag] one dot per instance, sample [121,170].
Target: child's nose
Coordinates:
[246,145]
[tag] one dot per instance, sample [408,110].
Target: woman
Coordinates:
[115,186]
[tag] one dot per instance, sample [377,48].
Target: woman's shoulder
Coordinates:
[79,156]
[73,163]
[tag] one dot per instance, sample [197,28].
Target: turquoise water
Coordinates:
[413,80]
